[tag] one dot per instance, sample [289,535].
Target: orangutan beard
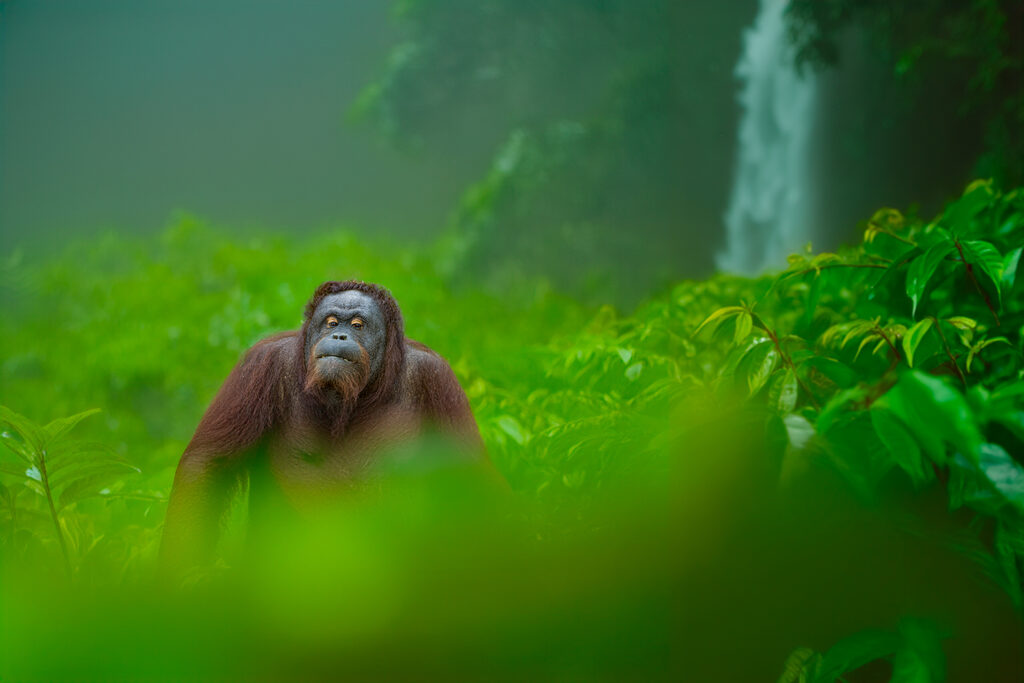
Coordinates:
[337,383]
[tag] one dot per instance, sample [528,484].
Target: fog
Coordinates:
[117,115]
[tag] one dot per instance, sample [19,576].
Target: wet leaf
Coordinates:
[719,316]
[923,268]
[901,445]
[987,259]
[912,339]
[762,361]
[788,392]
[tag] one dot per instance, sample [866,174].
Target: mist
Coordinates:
[116,114]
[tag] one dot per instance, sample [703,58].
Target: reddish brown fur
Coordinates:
[274,398]
[337,396]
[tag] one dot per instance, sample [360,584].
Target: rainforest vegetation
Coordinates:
[814,474]
[896,363]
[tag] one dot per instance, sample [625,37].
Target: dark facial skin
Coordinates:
[345,342]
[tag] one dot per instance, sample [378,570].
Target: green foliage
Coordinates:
[972,48]
[964,307]
[149,329]
[60,472]
[914,649]
[897,363]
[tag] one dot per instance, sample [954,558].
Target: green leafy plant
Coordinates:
[914,652]
[61,472]
[897,362]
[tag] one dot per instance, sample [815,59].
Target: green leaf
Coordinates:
[976,198]
[864,342]
[920,658]
[843,375]
[854,652]
[964,327]
[966,487]
[857,329]
[29,431]
[980,346]
[72,452]
[762,361]
[1010,264]
[909,667]
[923,268]
[737,357]
[901,445]
[800,662]
[35,487]
[813,296]
[62,426]
[13,470]
[634,370]
[837,406]
[986,258]
[20,448]
[856,452]
[788,392]
[716,318]
[88,468]
[912,339]
[1004,474]
[935,413]
[744,324]
[799,431]
[962,323]
[511,426]
[824,259]
[85,487]
[880,347]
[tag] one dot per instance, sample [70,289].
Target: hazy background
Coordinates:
[116,114]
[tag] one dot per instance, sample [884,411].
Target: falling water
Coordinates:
[769,214]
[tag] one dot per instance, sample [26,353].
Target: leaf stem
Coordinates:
[892,347]
[785,357]
[949,352]
[53,513]
[901,239]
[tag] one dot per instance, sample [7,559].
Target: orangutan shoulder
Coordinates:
[426,370]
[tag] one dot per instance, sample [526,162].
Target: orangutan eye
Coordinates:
[357,323]
[332,321]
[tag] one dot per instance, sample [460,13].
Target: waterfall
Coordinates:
[770,212]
